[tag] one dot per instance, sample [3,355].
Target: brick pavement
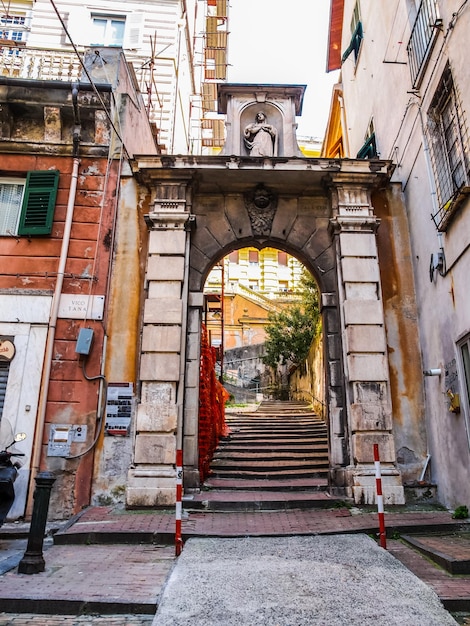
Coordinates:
[453,591]
[109,579]
[133,524]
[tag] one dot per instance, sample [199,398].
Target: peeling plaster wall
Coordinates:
[114,453]
[403,346]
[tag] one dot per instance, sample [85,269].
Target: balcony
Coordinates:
[38,63]
[422,40]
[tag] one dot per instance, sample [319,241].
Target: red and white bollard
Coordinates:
[179,502]
[380,499]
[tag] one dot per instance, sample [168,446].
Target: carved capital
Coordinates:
[354,223]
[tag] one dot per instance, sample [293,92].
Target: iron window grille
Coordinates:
[448,141]
[423,37]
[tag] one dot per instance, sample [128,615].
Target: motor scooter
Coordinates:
[8,474]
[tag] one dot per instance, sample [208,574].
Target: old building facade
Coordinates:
[62,161]
[104,303]
[404,95]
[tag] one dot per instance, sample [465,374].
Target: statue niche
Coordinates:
[261,138]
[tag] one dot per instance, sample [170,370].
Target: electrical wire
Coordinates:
[100,416]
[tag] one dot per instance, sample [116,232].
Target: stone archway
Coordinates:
[320,211]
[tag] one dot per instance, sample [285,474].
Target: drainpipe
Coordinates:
[46,373]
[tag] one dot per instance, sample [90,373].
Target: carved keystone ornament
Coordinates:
[261,205]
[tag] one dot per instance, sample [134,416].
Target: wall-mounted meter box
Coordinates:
[84,341]
[60,439]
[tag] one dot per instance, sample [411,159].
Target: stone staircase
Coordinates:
[274,458]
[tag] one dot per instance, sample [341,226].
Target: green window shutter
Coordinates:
[37,211]
[355,43]
[369,149]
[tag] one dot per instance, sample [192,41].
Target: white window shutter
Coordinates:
[78,25]
[134,31]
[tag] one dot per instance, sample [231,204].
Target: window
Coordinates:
[107,31]
[233,257]
[253,257]
[465,368]
[92,28]
[356,35]
[423,37]
[448,142]
[13,27]
[369,149]
[27,206]
[282,258]
[13,30]
[4,370]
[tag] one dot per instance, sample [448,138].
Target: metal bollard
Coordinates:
[33,560]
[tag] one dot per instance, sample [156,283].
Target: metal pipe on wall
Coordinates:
[46,373]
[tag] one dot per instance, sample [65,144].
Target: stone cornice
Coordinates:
[226,172]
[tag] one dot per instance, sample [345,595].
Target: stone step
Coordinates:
[257,451]
[273,435]
[257,485]
[275,458]
[249,501]
[268,474]
[272,464]
[272,430]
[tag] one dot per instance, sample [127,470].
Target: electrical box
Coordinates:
[84,341]
[60,438]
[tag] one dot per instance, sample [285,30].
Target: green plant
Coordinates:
[290,332]
[461,512]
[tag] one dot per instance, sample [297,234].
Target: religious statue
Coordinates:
[260,137]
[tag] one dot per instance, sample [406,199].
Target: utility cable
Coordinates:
[92,83]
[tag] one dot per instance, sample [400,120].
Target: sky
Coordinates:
[275,41]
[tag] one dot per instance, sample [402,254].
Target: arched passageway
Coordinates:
[318,211]
[327,214]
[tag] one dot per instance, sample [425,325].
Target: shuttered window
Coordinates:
[4,369]
[37,212]
[11,197]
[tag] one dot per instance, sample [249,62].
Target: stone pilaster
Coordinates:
[151,480]
[368,404]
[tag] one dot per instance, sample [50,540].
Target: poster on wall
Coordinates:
[118,409]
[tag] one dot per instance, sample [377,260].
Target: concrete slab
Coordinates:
[306,581]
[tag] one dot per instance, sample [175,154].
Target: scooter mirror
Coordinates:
[20,437]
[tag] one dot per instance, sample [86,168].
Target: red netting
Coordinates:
[212,398]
